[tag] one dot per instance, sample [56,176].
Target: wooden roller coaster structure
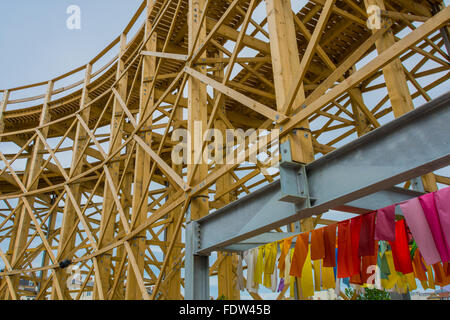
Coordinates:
[86,172]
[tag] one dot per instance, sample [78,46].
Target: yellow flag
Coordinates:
[392,279]
[307,277]
[317,274]
[328,278]
[259,266]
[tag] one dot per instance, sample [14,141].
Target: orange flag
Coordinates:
[345,261]
[329,239]
[300,254]
[317,245]
[284,252]
[419,268]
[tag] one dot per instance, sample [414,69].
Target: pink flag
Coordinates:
[442,200]
[429,208]
[385,224]
[417,223]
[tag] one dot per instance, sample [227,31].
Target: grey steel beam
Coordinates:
[196,266]
[364,205]
[410,146]
[258,241]
[265,202]
[379,200]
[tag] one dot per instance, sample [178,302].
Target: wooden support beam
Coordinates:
[174,56]
[197,105]
[142,164]
[245,100]
[396,84]
[70,217]
[289,84]
[227,265]
[33,170]
[107,224]
[3,105]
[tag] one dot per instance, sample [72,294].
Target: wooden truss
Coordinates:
[86,173]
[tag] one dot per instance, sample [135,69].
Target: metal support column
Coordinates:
[196,266]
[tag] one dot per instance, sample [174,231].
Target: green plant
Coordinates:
[369,294]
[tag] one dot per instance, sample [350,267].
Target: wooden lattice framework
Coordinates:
[90,177]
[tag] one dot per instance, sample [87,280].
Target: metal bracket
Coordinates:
[195,231]
[293,178]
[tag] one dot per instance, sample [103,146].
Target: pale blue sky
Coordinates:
[36,44]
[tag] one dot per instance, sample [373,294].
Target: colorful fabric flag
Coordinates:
[281,285]
[400,249]
[385,224]
[251,257]
[317,244]
[417,222]
[439,276]
[367,235]
[345,262]
[287,267]
[412,285]
[382,260]
[259,267]
[355,230]
[328,279]
[329,241]
[393,277]
[317,275]
[442,199]
[270,256]
[430,277]
[306,280]
[419,268]
[368,266]
[429,208]
[285,247]
[291,278]
[300,254]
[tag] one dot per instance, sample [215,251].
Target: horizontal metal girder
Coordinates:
[364,205]
[379,200]
[259,240]
[369,167]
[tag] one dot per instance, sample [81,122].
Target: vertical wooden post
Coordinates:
[142,162]
[2,111]
[13,232]
[445,31]
[197,109]
[285,62]
[107,223]
[397,86]
[126,202]
[285,65]
[362,123]
[393,73]
[70,217]
[46,258]
[226,271]
[174,282]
